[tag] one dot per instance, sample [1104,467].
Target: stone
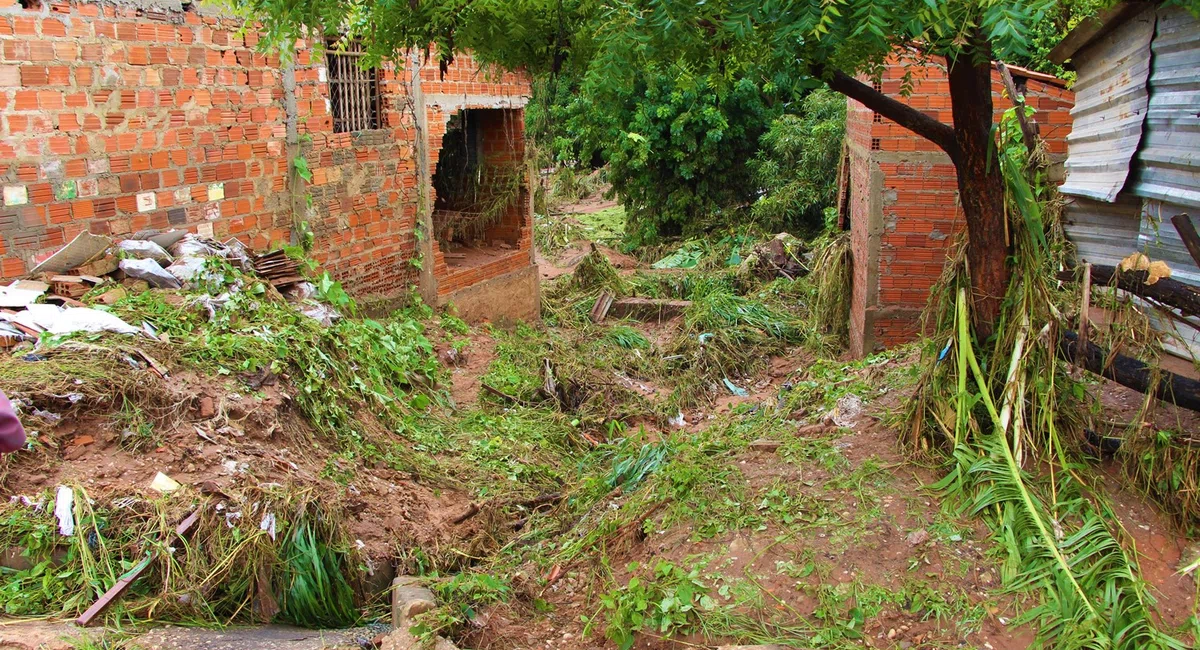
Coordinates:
[766,446]
[648,309]
[917,537]
[409,598]
[206,407]
[268,637]
[402,640]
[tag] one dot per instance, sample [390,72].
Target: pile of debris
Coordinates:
[50,299]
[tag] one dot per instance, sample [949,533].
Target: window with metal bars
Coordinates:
[354,96]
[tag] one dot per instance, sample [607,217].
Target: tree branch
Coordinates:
[906,116]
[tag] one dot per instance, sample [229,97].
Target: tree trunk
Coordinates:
[980,189]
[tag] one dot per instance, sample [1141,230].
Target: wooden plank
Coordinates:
[118,589]
[1187,232]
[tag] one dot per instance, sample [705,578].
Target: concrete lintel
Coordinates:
[451,103]
[901,157]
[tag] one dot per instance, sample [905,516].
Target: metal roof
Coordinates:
[1168,160]
[1111,99]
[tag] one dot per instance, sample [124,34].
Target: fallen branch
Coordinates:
[503,395]
[1131,373]
[472,510]
[1180,295]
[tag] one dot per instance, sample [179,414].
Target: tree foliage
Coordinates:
[797,166]
[676,145]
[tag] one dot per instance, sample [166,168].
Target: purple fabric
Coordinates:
[12,434]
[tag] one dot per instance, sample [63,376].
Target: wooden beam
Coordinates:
[1168,291]
[1187,232]
[1131,373]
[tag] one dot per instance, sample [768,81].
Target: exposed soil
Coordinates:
[224,437]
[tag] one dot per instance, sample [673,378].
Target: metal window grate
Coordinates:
[353,90]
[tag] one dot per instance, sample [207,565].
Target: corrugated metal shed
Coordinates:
[1103,233]
[1169,156]
[1111,98]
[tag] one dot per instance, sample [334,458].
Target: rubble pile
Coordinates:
[69,291]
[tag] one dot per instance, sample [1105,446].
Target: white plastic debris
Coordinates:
[847,411]
[64,510]
[268,524]
[301,291]
[185,269]
[677,421]
[150,271]
[22,293]
[56,320]
[164,483]
[145,250]
[323,314]
[192,246]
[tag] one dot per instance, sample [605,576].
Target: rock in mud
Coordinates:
[765,446]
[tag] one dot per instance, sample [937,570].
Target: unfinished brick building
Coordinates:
[120,117]
[901,197]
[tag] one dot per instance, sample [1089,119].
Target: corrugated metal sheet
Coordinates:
[1169,157]
[1110,106]
[1159,240]
[1103,233]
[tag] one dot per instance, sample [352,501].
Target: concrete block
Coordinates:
[409,598]
[648,309]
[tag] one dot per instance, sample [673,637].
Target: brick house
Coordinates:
[900,196]
[124,116]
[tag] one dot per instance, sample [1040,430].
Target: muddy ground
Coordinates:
[826,524]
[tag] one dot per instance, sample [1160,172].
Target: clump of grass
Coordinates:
[233,568]
[627,337]
[831,275]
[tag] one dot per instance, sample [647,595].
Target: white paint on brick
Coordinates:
[15,195]
[147,201]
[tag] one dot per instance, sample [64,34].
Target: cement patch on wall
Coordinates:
[511,297]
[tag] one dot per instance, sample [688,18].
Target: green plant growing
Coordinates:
[797,166]
[669,601]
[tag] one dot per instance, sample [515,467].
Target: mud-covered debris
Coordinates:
[917,537]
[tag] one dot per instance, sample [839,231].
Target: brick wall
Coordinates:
[500,99]
[118,119]
[904,212]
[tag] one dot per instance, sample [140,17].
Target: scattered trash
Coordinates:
[734,389]
[847,411]
[150,271]
[268,524]
[84,249]
[57,320]
[22,293]
[323,314]
[678,422]
[64,510]
[144,250]
[164,483]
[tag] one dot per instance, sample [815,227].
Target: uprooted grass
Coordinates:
[272,549]
[1005,415]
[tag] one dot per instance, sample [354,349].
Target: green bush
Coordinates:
[676,145]
[797,166]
